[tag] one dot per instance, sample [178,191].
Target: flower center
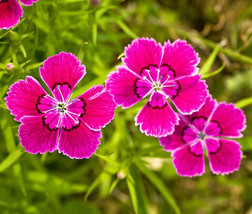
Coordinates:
[155,79]
[62,107]
[201,135]
[157,86]
[59,111]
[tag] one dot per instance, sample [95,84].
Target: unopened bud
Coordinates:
[121,174]
[12,68]
[95,2]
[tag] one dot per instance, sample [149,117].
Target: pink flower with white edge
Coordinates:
[11,11]
[168,72]
[208,128]
[50,122]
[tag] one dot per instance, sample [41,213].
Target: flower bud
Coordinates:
[12,68]
[95,2]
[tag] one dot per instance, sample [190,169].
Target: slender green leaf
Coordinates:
[158,183]
[8,134]
[244,102]
[209,62]
[11,159]
[81,52]
[25,63]
[207,75]
[96,182]
[126,29]
[137,194]
[94,33]
[34,66]
[114,184]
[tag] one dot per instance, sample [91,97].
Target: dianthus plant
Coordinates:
[50,122]
[160,73]
[210,128]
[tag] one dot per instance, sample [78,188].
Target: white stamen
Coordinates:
[145,78]
[168,77]
[165,95]
[150,91]
[73,113]
[148,71]
[49,110]
[158,71]
[69,99]
[59,121]
[61,94]
[75,121]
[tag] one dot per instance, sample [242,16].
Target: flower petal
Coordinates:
[213,129]
[232,120]
[100,107]
[207,109]
[28,2]
[79,143]
[157,117]
[141,53]
[35,137]
[175,140]
[61,69]
[23,97]
[122,86]
[189,163]
[181,57]
[10,13]
[192,94]
[224,155]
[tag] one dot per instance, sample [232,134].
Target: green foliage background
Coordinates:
[130,173]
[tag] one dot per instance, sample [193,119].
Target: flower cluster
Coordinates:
[170,72]
[179,110]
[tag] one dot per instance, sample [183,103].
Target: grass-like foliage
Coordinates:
[130,172]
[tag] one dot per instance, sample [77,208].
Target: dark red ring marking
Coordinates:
[189,150]
[38,102]
[135,88]
[147,67]
[170,69]
[177,90]
[156,107]
[213,153]
[61,84]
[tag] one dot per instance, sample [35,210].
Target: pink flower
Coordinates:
[208,128]
[57,122]
[11,11]
[159,72]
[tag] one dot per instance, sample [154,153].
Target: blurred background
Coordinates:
[129,173]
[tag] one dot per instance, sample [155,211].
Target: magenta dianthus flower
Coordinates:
[11,11]
[168,72]
[57,122]
[208,128]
